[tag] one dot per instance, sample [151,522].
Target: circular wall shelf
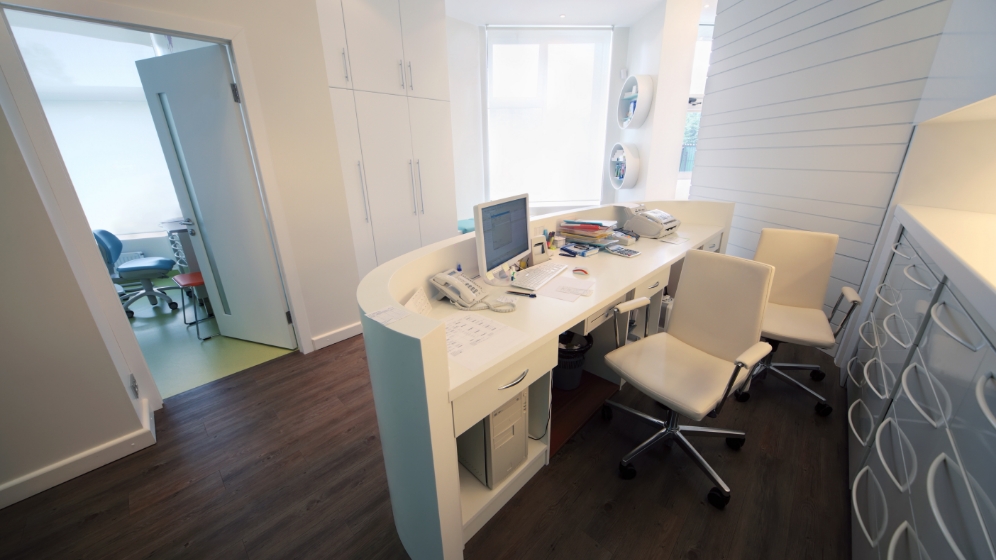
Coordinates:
[624,166]
[634,100]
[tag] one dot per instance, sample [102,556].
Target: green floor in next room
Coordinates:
[178,360]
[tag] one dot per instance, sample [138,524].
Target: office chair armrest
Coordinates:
[754,354]
[852,298]
[626,307]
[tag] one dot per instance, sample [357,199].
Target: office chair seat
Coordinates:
[675,374]
[797,325]
[140,268]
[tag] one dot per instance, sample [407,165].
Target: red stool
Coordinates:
[187,283]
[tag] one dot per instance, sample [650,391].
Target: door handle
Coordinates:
[878,293]
[411,175]
[885,325]
[345,66]
[895,249]
[906,272]
[854,501]
[516,382]
[401,68]
[850,421]
[411,77]
[943,400]
[421,190]
[946,329]
[363,191]
[905,446]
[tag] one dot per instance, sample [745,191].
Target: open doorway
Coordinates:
[149,145]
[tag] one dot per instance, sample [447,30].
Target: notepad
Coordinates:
[566,288]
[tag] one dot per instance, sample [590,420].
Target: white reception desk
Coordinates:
[424,400]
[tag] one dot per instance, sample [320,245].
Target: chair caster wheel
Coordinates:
[717,499]
[823,409]
[742,396]
[130,313]
[606,412]
[817,375]
[735,443]
[627,472]
[174,306]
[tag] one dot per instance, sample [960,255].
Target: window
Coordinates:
[696,94]
[547,92]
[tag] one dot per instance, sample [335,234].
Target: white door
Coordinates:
[373,30]
[432,146]
[334,43]
[201,129]
[350,156]
[390,172]
[423,27]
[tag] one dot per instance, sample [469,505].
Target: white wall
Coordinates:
[464,49]
[808,111]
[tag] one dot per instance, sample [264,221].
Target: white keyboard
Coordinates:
[534,277]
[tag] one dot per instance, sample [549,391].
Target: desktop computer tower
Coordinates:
[497,445]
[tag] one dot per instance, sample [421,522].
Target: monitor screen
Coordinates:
[505,229]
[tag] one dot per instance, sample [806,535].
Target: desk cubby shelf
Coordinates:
[635,99]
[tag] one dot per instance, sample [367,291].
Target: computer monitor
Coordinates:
[502,235]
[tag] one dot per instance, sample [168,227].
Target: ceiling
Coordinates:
[548,12]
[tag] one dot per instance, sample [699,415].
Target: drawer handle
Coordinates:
[904,528]
[857,382]
[885,325]
[516,382]
[658,283]
[885,378]
[980,395]
[861,333]
[905,447]
[906,272]
[932,497]
[898,294]
[857,514]
[895,249]
[962,341]
[850,420]
[943,400]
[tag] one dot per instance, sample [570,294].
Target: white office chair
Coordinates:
[712,343]
[802,261]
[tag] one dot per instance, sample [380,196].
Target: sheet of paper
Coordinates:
[676,238]
[567,288]
[474,340]
[388,315]
[419,303]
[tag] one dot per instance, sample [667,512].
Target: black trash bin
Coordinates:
[570,363]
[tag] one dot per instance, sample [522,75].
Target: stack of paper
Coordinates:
[592,232]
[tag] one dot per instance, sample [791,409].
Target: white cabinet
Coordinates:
[423,28]
[353,175]
[373,32]
[432,148]
[334,43]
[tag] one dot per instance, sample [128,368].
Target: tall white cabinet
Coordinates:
[389,89]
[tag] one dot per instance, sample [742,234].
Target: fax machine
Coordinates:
[649,223]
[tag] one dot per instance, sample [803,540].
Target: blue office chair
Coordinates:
[137,270]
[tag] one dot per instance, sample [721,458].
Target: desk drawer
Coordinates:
[481,401]
[653,283]
[599,317]
[712,244]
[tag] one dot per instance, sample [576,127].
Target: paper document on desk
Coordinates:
[419,303]
[474,341]
[388,315]
[676,238]
[567,288]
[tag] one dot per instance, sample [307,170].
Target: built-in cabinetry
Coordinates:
[389,88]
[921,394]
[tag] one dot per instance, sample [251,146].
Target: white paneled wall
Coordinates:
[808,112]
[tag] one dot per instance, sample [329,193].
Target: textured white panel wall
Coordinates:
[808,112]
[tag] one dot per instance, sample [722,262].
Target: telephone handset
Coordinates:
[465,293]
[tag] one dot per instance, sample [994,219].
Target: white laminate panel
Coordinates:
[334,43]
[376,55]
[423,27]
[432,147]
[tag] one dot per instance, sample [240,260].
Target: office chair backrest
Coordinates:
[802,261]
[720,303]
[110,247]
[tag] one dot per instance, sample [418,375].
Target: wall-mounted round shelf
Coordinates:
[634,100]
[624,166]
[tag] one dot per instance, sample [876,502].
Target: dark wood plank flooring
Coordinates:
[572,409]
[283,461]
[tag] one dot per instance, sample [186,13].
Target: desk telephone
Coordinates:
[649,223]
[466,294]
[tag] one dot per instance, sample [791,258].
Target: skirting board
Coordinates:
[338,335]
[69,468]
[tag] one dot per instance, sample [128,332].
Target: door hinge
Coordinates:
[289,320]
[235,94]
[134,385]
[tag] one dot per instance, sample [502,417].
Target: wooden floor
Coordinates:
[284,461]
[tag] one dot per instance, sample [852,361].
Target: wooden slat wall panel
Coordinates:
[808,111]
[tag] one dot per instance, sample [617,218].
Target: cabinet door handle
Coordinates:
[943,400]
[421,190]
[411,77]
[980,395]
[905,447]
[854,501]
[850,421]
[401,68]
[895,249]
[516,382]
[885,325]
[345,66]
[898,294]
[946,329]
[885,377]
[906,272]
[363,191]
[932,497]
[411,175]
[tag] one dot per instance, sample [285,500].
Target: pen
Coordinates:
[521,294]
